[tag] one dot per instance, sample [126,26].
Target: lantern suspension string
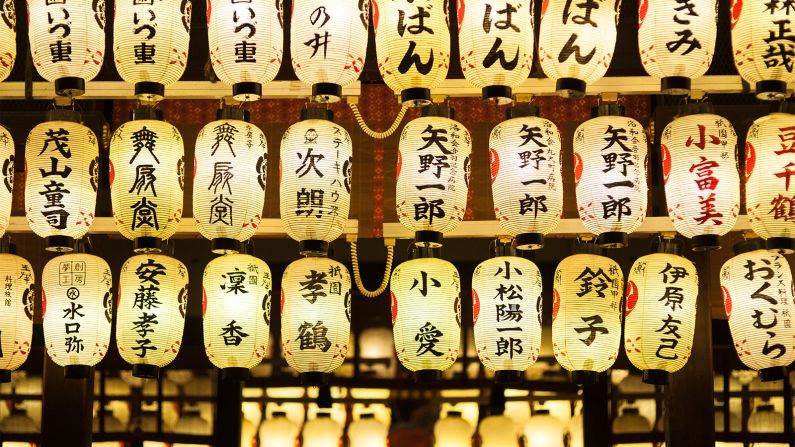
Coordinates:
[371,133]
[390,252]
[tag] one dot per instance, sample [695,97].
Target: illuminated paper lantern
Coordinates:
[76,289]
[231,164]
[766,420]
[412,46]
[586,315]
[498,431]
[278,431]
[321,432]
[153,297]
[367,432]
[758,294]
[147,178]
[543,429]
[150,44]
[61,171]
[631,421]
[16,326]
[702,184]
[8,38]
[245,41]
[7,163]
[452,431]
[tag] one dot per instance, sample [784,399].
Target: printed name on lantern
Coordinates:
[507,301]
[145,28]
[411,58]
[531,157]
[780,40]
[703,171]
[146,300]
[595,283]
[435,164]
[503,22]
[145,209]
[245,27]
[580,15]
[783,206]
[57,142]
[72,274]
[622,147]
[312,201]
[683,11]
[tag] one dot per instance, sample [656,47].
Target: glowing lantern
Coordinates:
[498,431]
[766,420]
[316,163]
[7,159]
[147,178]
[8,38]
[453,431]
[76,291]
[702,184]
[367,432]
[377,349]
[321,432]
[586,315]
[278,431]
[153,297]
[757,287]
[231,164]
[631,421]
[17,322]
[543,429]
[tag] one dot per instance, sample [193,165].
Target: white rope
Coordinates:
[370,132]
[390,251]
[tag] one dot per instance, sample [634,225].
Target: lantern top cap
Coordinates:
[454,414]
[766,408]
[230,113]
[440,110]
[279,414]
[609,109]
[542,412]
[367,416]
[315,113]
[631,410]
[63,115]
[146,113]
[522,110]
[694,108]
[749,246]
[322,415]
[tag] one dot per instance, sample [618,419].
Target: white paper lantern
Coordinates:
[76,291]
[412,46]
[631,421]
[278,431]
[147,178]
[544,430]
[367,432]
[759,297]
[576,42]
[16,302]
[316,164]
[377,344]
[586,314]
[245,40]
[153,297]
[610,157]
[7,162]
[321,432]
[61,171]
[498,431]
[702,184]
[8,38]
[150,44]
[452,431]
[191,422]
[766,420]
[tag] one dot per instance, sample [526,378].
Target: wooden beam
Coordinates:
[67,404]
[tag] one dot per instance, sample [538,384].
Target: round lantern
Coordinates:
[8,38]
[16,327]
[702,184]
[758,294]
[631,421]
[76,289]
[150,44]
[413,57]
[452,431]
[321,432]
[147,179]
[245,40]
[766,420]
[426,315]
[367,432]
[498,431]
[576,42]
[543,429]
[236,312]
[153,298]
[61,171]
[278,431]
[433,170]
[316,316]
[610,156]
[586,315]
[7,159]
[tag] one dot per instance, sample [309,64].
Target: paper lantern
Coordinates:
[677,41]
[412,46]
[662,290]
[426,315]
[367,432]
[231,164]
[544,430]
[433,169]
[586,315]
[7,159]
[576,431]
[321,432]
[316,164]
[498,431]
[8,38]
[150,44]
[316,316]
[245,41]
[76,290]
[191,422]
[147,178]
[377,345]
[278,431]
[16,326]
[61,171]
[452,431]
[19,422]
[610,157]
[631,421]
[702,184]
[759,294]
[766,420]
[153,297]
[576,42]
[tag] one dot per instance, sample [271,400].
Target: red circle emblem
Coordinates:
[43,303]
[460,13]
[209,11]
[475,307]
[727,301]
[643,8]
[204,302]
[632,296]
[555,304]
[544,8]
[394,307]
[399,164]
[750,160]
[494,160]
[577,168]
[112,173]
[375,15]
[736,8]
[666,162]
[281,304]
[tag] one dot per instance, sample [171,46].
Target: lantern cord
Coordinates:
[370,132]
[390,252]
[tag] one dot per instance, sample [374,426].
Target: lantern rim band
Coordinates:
[675,85]
[541,412]
[150,91]
[60,244]
[234,374]
[773,374]
[230,113]
[570,87]
[454,414]
[313,247]
[5,375]
[326,92]
[76,371]
[367,416]
[607,109]
[70,86]
[529,241]
[428,238]
[655,376]
[315,113]
[145,371]
[225,245]
[783,245]
[246,91]
[499,94]
[522,110]
[416,96]
[427,375]
[705,242]
[73,116]
[771,90]
[438,110]
[583,377]
[314,378]
[279,414]
[613,239]
[147,244]
[146,113]
[508,376]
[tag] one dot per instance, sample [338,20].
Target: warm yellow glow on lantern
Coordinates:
[16,326]
[498,431]
[8,39]
[377,344]
[367,432]
[278,431]
[544,430]
[321,432]
[7,163]
[765,419]
[452,431]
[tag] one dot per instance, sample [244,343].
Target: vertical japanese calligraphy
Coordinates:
[7,163]
[16,302]
[8,38]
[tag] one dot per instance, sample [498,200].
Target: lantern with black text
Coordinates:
[153,298]
[8,38]
[7,164]
[16,326]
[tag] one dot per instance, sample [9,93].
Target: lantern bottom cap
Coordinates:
[428,238]
[783,245]
[60,244]
[705,242]
[773,374]
[675,85]
[570,87]
[427,375]
[771,90]
[314,378]
[145,371]
[225,245]
[150,91]
[655,376]
[5,375]
[613,239]
[498,94]
[76,371]
[70,86]
[529,241]
[326,92]
[147,244]
[234,374]
[246,91]
[582,377]
[416,97]
[313,247]
[508,376]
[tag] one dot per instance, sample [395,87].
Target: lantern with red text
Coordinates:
[7,164]
[8,38]
[16,326]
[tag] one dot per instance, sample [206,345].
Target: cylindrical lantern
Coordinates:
[702,184]
[321,432]
[543,429]
[452,431]
[147,179]
[367,432]
[76,289]
[426,315]
[610,156]
[8,39]
[586,314]
[150,44]
[766,420]
[316,316]
[61,171]
[433,168]
[316,164]
[153,297]
[576,42]
[278,431]
[16,326]
[7,163]
[413,46]
[498,431]
[245,39]
[758,294]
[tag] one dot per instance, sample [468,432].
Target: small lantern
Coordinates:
[367,432]
[452,431]
[765,419]
[16,326]
[7,159]
[8,39]
[321,431]
[61,171]
[278,431]
[377,350]
[498,431]
[543,429]
[631,421]
[153,298]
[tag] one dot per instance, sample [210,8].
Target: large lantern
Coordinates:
[8,38]
[498,431]
[368,432]
[147,178]
[316,316]
[433,170]
[702,184]
[76,289]
[610,155]
[452,431]
[586,315]
[413,46]
[150,44]
[245,39]
[61,171]
[758,294]
[7,163]
[576,42]
[16,326]
[153,298]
